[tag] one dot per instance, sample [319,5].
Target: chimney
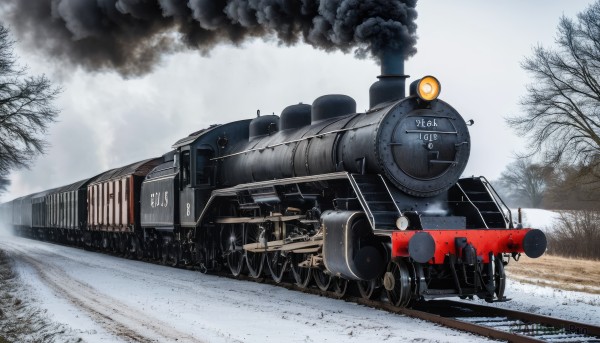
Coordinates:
[391,84]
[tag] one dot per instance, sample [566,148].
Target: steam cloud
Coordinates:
[131,35]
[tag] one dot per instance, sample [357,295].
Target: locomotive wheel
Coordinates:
[254,260]
[113,243]
[154,250]
[136,248]
[340,287]
[165,253]
[233,241]
[175,253]
[500,278]
[105,242]
[397,282]
[322,279]
[302,275]
[277,264]
[122,243]
[369,289]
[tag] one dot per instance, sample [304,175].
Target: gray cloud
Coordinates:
[131,36]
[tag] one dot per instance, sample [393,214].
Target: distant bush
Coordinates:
[576,234]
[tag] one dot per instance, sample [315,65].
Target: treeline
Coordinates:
[573,188]
[573,191]
[564,187]
[576,234]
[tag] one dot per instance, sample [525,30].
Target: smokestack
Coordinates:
[392,81]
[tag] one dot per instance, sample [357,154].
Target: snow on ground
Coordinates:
[537,218]
[548,301]
[101,298]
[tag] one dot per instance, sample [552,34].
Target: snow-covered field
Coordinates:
[537,218]
[101,298]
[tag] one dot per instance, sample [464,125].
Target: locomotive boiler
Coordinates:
[322,194]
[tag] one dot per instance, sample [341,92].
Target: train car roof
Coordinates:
[74,186]
[192,137]
[29,196]
[140,168]
[41,194]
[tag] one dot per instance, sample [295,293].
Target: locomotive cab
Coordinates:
[204,168]
[197,167]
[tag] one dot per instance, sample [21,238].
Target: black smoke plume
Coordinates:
[131,35]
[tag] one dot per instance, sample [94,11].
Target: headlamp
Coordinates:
[427,88]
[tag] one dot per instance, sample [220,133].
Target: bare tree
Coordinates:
[576,234]
[573,187]
[26,110]
[525,181]
[562,107]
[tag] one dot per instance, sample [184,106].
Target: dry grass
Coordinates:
[558,272]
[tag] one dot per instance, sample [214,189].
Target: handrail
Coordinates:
[472,204]
[362,200]
[387,188]
[498,200]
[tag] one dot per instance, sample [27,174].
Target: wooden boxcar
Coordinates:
[6,215]
[66,206]
[114,197]
[39,217]
[16,212]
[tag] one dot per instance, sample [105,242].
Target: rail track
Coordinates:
[489,321]
[510,325]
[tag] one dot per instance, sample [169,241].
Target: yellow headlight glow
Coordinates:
[428,88]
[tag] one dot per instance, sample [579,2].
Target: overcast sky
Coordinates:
[473,47]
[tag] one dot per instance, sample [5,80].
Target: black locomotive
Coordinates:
[321,193]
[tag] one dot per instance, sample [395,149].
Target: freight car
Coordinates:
[321,194]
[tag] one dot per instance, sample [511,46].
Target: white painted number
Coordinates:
[429,123]
[155,200]
[426,123]
[430,137]
[188,209]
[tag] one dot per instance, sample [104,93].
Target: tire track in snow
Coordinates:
[242,294]
[113,315]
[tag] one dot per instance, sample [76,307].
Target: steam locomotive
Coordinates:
[319,194]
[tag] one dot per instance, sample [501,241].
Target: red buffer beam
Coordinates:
[432,246]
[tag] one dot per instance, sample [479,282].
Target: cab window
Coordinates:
[185,168]
[203,167]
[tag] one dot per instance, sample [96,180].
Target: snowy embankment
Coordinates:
[102,298]
[537,218]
